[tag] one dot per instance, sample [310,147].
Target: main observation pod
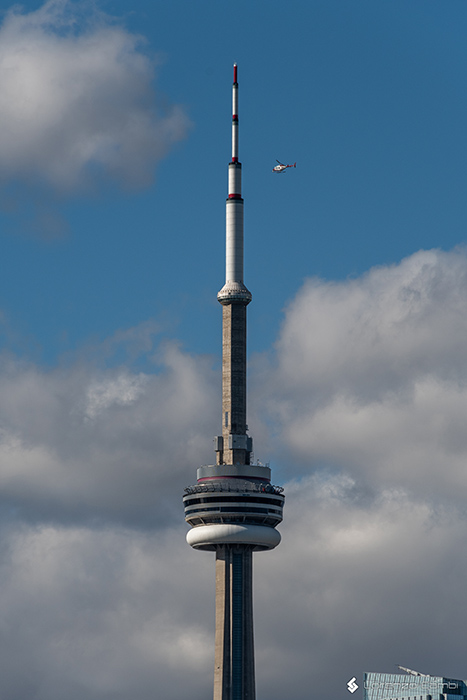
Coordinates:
[233,505]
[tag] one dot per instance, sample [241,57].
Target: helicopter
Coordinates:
[281,167]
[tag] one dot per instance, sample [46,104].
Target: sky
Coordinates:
[115,126]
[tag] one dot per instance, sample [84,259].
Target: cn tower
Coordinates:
[233,509]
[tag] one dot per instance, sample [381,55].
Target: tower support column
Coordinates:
[234,669]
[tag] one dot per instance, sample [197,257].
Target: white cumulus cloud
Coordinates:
[78,100]
[371,375]
[83,443]
[121,391]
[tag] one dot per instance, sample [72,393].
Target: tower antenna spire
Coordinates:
[233,509]
[235,116]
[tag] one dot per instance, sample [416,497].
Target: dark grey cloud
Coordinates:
[362,586]
[97,614]
[114,612]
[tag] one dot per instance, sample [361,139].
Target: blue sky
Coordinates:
[114,143]
[367,97]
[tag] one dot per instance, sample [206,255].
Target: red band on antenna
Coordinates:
[235,72]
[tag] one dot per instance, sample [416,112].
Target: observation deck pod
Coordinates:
[233,509]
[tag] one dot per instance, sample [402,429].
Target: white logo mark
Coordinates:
[351,685]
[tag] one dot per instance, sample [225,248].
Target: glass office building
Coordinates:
[392,686]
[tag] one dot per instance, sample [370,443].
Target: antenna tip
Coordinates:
[235,73]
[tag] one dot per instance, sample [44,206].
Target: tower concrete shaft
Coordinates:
[234,439]
[233,509]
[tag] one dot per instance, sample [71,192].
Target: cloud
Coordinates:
[370,376]
[97,614]
[78,101]
[118,612]
[365,400]
[83,444]
[364,584]
[121,391]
